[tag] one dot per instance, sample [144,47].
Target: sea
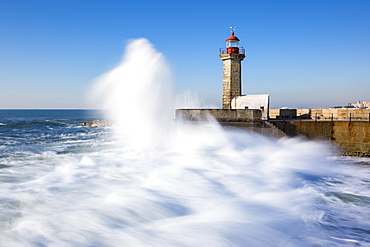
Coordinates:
[147,180]
[62,184]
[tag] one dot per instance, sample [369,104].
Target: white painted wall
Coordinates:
[259,101]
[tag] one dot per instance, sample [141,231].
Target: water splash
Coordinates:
[192,100]
[137,95]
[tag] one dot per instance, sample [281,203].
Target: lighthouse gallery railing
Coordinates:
[223,51]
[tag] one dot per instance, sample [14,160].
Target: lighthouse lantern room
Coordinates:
[232,44]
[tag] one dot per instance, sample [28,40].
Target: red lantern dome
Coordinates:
[232,37]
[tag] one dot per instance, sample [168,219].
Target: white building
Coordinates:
[259,101]
[361,105]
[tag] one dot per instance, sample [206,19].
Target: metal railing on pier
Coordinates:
[361,117]
[343,116]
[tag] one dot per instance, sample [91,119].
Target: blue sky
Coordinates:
[304,53]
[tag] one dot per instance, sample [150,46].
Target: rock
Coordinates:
[96,123]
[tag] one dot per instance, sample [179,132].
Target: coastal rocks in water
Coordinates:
[96,123]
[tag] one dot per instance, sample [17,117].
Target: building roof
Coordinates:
[232,37]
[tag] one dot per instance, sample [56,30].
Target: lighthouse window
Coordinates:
[232,43]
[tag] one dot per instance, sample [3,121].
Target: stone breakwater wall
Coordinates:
[350,137]
[221,115]
[322,114]
[247,119]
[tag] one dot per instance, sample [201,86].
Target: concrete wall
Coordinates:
[258,101]
[221,115]
[352,138]
[325,114]
[242,119]
[340,113]
[263,128]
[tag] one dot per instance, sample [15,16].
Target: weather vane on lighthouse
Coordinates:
[232,29]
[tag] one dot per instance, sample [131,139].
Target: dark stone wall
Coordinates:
[351,137]
[263,128]
[221,115]
[247,119]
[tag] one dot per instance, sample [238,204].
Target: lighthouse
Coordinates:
[251,108]
[231,56]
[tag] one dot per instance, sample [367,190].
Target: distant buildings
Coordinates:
[357,105]
[360,105]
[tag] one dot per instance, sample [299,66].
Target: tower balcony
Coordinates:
[236,50]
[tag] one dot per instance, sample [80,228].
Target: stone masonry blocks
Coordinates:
[231,78]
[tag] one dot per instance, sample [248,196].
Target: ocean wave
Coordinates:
[242,188]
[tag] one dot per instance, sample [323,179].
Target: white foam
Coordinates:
[206,187]
[228,189]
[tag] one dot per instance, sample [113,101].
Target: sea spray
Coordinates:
[192,100]
[137,95]
[211,188]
